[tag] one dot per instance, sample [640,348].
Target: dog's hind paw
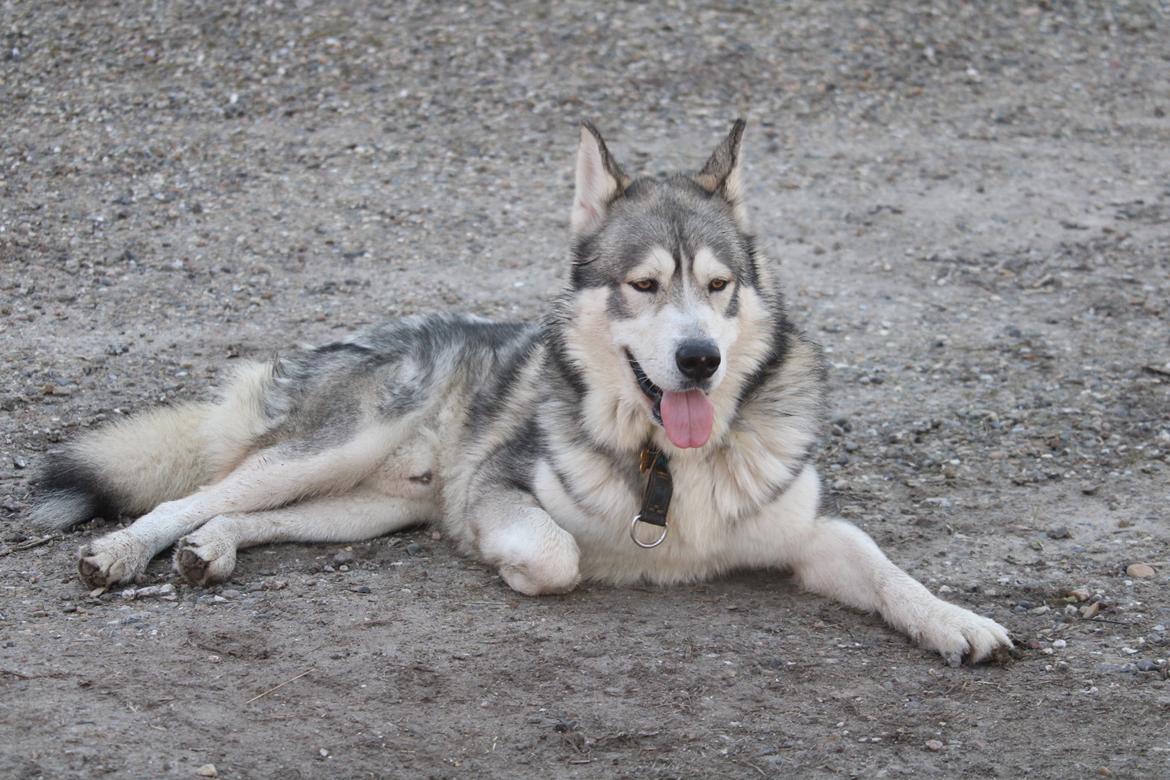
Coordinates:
[205,557]
[111,560]
[959,634]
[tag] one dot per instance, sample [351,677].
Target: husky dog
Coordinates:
[657,427]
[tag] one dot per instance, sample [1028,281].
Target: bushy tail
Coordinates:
[133,465]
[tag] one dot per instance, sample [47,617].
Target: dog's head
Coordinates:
[667,292]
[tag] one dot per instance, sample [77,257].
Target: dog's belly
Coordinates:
[411,470]
[699,544]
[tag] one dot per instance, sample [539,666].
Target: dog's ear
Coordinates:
[721,175]
[599,181]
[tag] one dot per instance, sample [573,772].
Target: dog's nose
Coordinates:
[697,359]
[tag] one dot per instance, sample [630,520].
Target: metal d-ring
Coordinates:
[639,542]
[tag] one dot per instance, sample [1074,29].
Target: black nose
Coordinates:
[697,359]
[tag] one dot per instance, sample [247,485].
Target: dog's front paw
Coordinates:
[205,557]
[539,580]
[959,634]
[112,559]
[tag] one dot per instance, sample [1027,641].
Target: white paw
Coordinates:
[111,559]
[539,580]
[535,556]
[958,634]
[205,557]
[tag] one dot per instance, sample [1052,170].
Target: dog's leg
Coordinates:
[209,554]
[533,553]
[269,478]
[837,559]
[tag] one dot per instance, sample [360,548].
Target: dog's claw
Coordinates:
[954,660]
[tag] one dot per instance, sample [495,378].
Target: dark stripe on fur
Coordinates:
[64,476]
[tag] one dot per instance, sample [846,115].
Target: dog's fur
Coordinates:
[523,441]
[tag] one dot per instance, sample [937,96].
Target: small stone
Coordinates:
[231,594]
[343,557]
[413,549]
[343,567]
[166,591]
[1080,594]
[1059,644]
[207,770]
[436,536]
[1059,532]
[934,745]
[1139,571]
[1090,490]
[1089,611]
[1116,668]
[275,584]
[328,568]
[361,589]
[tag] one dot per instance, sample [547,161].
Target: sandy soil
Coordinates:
[970,205]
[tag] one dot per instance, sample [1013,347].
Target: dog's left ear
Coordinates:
[721,175]
[599,182]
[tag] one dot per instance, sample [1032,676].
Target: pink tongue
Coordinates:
[687,417]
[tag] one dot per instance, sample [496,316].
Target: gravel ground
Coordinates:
[971,209]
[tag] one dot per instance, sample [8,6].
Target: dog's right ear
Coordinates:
[599,182]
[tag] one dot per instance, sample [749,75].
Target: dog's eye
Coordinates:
[717,285]
[645,285]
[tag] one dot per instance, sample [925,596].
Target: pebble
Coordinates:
[1059,532]
[344,557]
[934,745]
[1146,665]
[207,770]
[413,549]
[1089,611]
[1059,644]
[1080,594]
[1139,571]
[166,591]
[230,594]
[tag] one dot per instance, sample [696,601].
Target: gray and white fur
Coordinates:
[523,441]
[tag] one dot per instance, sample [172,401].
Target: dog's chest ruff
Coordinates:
[703,538]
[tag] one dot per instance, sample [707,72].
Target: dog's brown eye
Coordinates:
[645,285]
[717,285]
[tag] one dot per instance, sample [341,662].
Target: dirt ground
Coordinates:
[970,207]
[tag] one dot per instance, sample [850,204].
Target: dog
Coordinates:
[657,427]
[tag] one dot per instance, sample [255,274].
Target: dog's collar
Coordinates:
[656,496]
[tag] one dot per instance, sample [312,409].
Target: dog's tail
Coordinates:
[131,466]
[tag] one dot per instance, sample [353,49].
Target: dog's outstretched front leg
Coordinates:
[534,554]
[837,559]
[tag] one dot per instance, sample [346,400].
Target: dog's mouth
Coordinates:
[652,391]
[686,416]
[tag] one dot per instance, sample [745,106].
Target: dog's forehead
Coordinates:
[671,218]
